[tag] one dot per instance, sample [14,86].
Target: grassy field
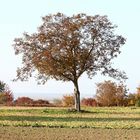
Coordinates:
[106,117]
[103,123]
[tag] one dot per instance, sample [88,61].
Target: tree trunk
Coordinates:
[77,96]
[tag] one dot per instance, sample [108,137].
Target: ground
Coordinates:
[100,123]
[29,133]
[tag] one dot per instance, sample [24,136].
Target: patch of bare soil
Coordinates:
[30,133]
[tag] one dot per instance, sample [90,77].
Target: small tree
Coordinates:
[121,91]
[137,103]
[110,94]
[66,47]
[131,99]
[137,95]
[9,98]
[2,86]
[6,95]
[68,100]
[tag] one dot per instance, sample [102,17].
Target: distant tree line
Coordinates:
[108,93]
[26,101]
[7,98]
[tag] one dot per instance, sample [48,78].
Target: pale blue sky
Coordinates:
[18,16]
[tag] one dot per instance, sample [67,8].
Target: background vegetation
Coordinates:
[108,93]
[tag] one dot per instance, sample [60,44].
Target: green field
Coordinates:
[106,117]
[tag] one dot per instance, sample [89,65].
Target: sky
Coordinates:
[19,16]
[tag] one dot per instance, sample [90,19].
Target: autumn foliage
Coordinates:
[41,103]
[6,95]
[68,100]
[65,47]
[134,99]
[89,102]
[26,101]
[110,94]
[23,101]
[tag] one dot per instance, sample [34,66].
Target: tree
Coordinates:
[137,96]
[6,96]
[40,103]
[68,100]
[131,99]
[2,86]
[66,47]
[121,96]
[136,99]
[110,94]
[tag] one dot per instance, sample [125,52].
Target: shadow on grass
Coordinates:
[73,111]
[63,119]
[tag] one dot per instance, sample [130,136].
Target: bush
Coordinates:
[23,101]
[2,86]
[40,103]
[88,102]
[57,102]
[134,99]
[26,101]
[68,100]
[2,98]
[131,99]
[137,103]
[6,96]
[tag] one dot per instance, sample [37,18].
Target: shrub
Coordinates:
[2,99]
[40,102]
[2,86]
[57,102]
[134,99]
[68,100]
[137,97]
[137,103]
[24,101]
[131,99]
[88,102]
[6,96]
